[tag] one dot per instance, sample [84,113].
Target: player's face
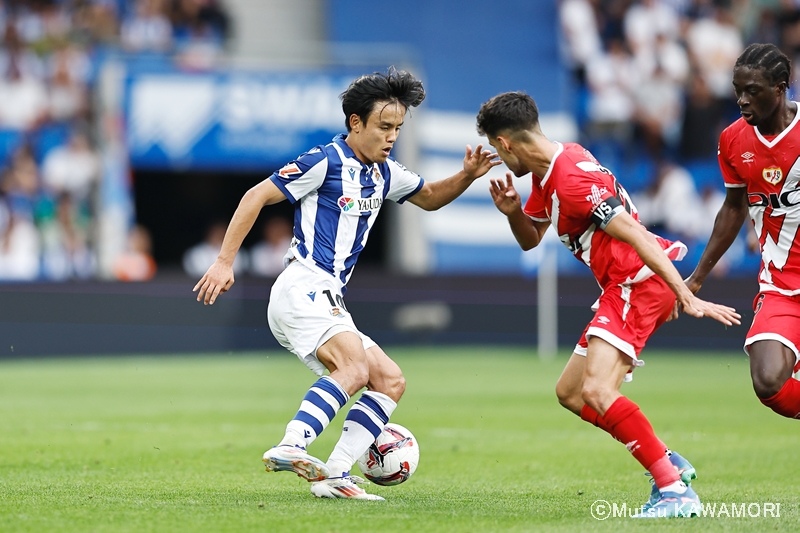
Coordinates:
[758,100]
[373,142]
[505,152]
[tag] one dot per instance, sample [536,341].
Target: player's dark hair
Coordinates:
[508,113]
[394,86]
[767,57]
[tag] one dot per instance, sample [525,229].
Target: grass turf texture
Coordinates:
[175,443]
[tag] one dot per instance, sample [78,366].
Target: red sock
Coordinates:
[590,415]
[629,426]
[787,401]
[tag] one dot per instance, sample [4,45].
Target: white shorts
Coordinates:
[305,310]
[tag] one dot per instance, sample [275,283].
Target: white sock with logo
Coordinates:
[364,423]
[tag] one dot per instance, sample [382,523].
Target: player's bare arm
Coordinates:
[219,277]
[434,195]
[624,228]
[528,232]
[729,221]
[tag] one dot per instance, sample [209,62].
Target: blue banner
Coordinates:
[239,121]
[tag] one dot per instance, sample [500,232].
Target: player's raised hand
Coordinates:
[694,306]
[479,162]
[217,279]
[505,196]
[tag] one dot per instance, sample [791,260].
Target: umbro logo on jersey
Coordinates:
[603,320]
[289,169]
[747,157]
[772,175]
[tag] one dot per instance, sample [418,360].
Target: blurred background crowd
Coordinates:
[49,165]
[650,94]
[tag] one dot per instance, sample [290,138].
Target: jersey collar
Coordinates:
[781,135]
[552,163]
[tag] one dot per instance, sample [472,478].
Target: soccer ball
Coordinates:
[392,458]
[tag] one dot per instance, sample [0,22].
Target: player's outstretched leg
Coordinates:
[630,426]
[364,423]
[345,486]
[320,404]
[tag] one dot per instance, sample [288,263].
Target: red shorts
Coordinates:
[777,318]
[626,316]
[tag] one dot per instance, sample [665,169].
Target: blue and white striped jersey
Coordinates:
[336,199]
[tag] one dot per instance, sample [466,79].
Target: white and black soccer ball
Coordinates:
[392,458]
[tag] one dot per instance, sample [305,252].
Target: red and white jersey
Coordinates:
[770,169]
[580,197]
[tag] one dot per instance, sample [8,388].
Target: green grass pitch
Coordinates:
[164,444]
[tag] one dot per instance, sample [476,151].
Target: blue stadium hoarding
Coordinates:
[232,120]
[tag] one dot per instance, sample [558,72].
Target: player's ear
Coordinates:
[504,142]
[355,123]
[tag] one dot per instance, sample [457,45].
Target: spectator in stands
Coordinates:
[149,29]
[198,258]
[73,168]
[96,22]
[612,77]
[136,263]
[644,21]
[65,238]
[23,95]
[714,43]
[660,206]
[69,71]
[702,122]
[582,37]
[20,182]
[19,244]
[266,257]
[659,103]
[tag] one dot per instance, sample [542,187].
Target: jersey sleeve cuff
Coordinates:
[412,193]
[279,184]
[735,185]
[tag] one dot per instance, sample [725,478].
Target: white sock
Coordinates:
[364,423]
[678,486]
[320,404]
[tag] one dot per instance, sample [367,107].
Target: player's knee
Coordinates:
[392,385]
[568,397]
[592,394]
[766,384]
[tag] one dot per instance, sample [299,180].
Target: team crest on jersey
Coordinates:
[378,178]
[289,169]
[772,175]
[336,312]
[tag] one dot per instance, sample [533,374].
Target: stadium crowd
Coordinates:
[654,86]
[50,168]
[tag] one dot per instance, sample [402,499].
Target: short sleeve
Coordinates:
[591,195]
[303,175]
[535,206]
[729,174]
[403,184]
